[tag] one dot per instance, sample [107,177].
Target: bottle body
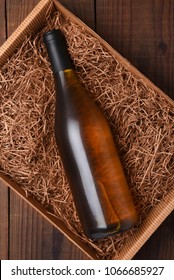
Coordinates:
[100,191]
[91,161]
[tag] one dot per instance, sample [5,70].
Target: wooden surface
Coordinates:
[142,31]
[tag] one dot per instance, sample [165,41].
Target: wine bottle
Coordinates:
[101,195]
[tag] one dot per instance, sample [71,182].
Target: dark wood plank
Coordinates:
[2,22]
[4,230]
[32,237]
[16,11]
[142,31]
[64,249]
[161,244]
[26,227]
[83,9]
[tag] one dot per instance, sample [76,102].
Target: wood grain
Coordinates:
[32,237]
[16,11]
[160,245]
[27,232]
[142,31]
[2,21]
[4,226]
[83,9]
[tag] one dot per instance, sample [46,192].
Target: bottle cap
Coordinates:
[55,43]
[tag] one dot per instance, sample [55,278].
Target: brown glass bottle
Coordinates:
[100,191]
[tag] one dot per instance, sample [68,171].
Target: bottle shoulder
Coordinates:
[72,96]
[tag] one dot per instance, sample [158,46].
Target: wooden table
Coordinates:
[142,31]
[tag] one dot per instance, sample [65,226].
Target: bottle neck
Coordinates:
[65,74]
[65,79]
[57,51]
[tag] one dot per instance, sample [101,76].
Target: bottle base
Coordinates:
[113,229]
[103,233]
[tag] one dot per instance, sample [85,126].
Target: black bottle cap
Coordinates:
[55,43]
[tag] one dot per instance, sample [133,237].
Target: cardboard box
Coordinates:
[157,215]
